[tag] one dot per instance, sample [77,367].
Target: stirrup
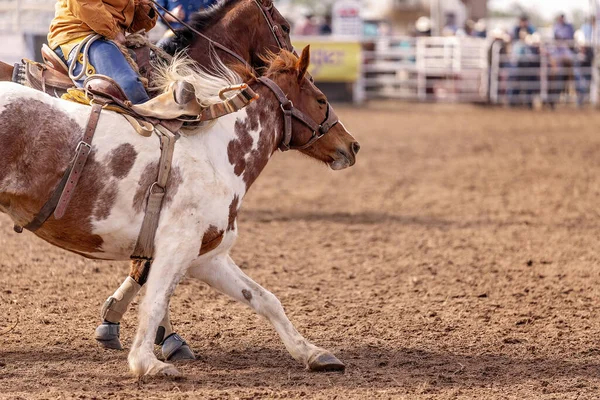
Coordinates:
[105,86]
[177,101]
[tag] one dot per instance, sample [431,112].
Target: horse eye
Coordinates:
[286,29]
[323,102]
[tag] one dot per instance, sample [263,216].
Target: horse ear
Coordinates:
[303,63]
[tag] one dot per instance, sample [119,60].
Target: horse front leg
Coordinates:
[174,348]
[166,272]
[224,275]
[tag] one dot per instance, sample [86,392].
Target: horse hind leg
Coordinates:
[224,275]
[107,334]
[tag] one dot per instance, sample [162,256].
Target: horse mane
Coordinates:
[200,21]
[207,85]
[284,62]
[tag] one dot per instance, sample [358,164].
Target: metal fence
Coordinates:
[479,70]
[426,69]
[548,72]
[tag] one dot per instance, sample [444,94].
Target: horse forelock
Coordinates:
[283,62]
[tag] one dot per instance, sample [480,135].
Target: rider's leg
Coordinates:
[107,59]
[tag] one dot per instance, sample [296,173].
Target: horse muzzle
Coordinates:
[345,159]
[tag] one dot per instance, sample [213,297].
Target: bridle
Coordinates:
[287,107]
[289,112]
[275,29]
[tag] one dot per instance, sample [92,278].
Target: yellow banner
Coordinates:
[333,61]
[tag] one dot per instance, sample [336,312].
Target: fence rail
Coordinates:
[425,69]
[551,72]
[477,70]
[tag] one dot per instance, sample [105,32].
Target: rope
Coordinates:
[83,48]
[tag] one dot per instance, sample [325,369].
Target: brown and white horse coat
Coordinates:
[213,168]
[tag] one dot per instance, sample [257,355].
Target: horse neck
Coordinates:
[222,33]
[244,142]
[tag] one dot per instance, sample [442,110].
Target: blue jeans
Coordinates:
[107,59]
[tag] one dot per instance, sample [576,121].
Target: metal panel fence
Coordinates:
[426,69]
[549,72]
[478,70]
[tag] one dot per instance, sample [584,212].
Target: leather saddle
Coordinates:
[52,76]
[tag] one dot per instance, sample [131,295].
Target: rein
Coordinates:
[203,36]
[289,112]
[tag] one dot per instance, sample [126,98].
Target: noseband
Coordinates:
[289,111]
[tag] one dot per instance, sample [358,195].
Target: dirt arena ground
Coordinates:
[459,259]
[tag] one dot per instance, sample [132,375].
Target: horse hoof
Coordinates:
[164,369]
[107,334]
[174,348]
[325,362]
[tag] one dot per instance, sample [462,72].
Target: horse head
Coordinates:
[250,28]
[310,123]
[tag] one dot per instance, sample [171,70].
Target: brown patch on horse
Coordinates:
[257,159]
[105,202]
[121,160]
[238,148]
[148,177]
[247,294]
[245,160]
[211,240]
[139,270]
[37,143]
[233,211]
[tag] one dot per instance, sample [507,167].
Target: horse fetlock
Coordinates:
[116,305]
[174,348]
[107,334]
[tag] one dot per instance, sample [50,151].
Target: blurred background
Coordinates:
[529,53]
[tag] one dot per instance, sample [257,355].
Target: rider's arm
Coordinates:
[94,14]
[144,18]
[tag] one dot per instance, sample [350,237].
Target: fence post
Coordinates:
[495,72]
[544,72]
[421,70]
[595,83]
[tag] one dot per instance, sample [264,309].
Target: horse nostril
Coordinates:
[355,148]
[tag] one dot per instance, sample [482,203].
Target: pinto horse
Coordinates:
[213,168]
[251,29]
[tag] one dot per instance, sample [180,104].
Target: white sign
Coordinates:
[346,18]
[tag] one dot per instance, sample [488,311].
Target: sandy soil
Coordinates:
[458,259]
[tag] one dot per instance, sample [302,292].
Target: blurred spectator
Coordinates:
[325,28]
[524,78]
[469,29]
[183,9]
[450,27]
[563,30]
[587,29]
[523,28]
[307,27]
[423,27]
[480,29]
